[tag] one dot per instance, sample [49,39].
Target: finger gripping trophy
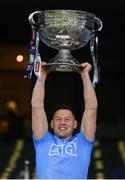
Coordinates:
[64,30]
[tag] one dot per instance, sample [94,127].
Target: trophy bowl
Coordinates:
[64,30]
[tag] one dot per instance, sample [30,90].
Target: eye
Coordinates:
[57,119]
[68,119]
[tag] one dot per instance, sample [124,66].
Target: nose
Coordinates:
[62,121]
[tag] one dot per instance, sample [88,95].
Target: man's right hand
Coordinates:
[43,70]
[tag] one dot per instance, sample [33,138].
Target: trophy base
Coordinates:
[63,62]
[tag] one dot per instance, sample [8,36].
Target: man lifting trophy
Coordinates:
[63,153]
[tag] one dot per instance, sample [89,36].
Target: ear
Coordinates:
[75,124]
[52,124]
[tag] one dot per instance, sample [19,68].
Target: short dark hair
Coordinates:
[63,106]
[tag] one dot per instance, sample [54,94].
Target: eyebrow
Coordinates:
[65,117]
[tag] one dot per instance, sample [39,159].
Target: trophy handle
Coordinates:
[31,17]
[99,23]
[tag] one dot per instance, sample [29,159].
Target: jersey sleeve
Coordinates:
[47,136]
[83,139]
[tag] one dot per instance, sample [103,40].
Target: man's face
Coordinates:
[63,123]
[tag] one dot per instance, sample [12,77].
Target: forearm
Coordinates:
[88,92]
[38,93]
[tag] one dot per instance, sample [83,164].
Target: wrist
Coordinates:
[84,74]
[43,75]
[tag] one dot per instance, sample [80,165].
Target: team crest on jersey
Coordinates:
[63,149]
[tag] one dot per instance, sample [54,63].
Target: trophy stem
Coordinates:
[64,62]
[64,55]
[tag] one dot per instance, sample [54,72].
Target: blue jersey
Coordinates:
[62,158]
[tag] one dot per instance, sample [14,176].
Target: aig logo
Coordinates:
[63,150]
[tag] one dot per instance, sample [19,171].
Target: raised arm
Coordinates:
[39,119]
[88,124]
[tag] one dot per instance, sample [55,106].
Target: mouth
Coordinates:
[62,128]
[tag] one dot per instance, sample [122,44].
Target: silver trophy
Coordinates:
[63,30]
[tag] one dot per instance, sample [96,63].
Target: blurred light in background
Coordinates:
[19,58]
[11,105]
